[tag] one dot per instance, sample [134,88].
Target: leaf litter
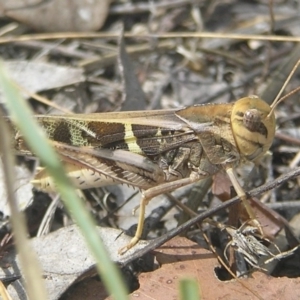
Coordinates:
[173,73]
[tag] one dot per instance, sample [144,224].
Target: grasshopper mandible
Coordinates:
[158,151]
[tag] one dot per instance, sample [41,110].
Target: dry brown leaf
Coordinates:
[221,186]
[89,289]
[56,15]
[181,258]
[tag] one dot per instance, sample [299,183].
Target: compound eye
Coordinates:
[252,119]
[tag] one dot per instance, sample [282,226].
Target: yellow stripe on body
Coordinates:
[131,140]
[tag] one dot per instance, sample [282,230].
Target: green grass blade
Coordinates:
[189,289]
[37,141]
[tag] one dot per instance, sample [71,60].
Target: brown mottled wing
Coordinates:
[144,133]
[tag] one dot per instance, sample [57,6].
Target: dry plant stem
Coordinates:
[294,163]
[29,262]
[226,55]
[43,100]
[87,35]
[185,208]
[8,29]
[48,217]
[288,204]
[254,193]
[272,19]
[287,138]
[55,49]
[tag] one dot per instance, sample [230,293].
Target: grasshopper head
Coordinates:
[253,126]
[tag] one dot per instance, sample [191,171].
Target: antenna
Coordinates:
[278,99]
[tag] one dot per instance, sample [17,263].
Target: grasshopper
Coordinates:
[158,151]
